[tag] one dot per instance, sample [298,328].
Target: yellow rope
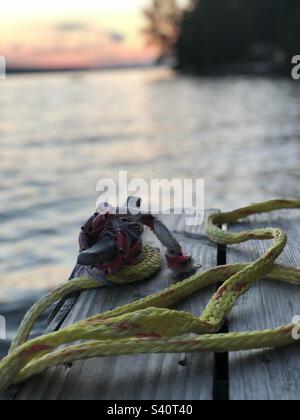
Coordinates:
[148,325]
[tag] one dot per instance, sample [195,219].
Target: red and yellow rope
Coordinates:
[148,325]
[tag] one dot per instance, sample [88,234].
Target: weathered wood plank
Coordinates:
[140,377]
[274,374]
[60,313]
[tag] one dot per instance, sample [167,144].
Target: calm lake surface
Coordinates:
[60,133]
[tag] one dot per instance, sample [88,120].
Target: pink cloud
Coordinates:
[72,44]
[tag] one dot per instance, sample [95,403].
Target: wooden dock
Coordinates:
[262,375]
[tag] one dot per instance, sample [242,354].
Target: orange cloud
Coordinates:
[90,41]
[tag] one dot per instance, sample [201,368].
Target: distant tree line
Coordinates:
[236,34]
[164,20]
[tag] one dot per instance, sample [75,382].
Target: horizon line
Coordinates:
[24,70]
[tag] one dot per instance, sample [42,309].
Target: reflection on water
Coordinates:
[59,134]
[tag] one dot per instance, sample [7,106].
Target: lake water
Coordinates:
[60,133]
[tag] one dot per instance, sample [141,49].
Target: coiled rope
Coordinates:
[148,325]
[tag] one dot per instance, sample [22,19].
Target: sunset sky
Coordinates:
[73,33]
